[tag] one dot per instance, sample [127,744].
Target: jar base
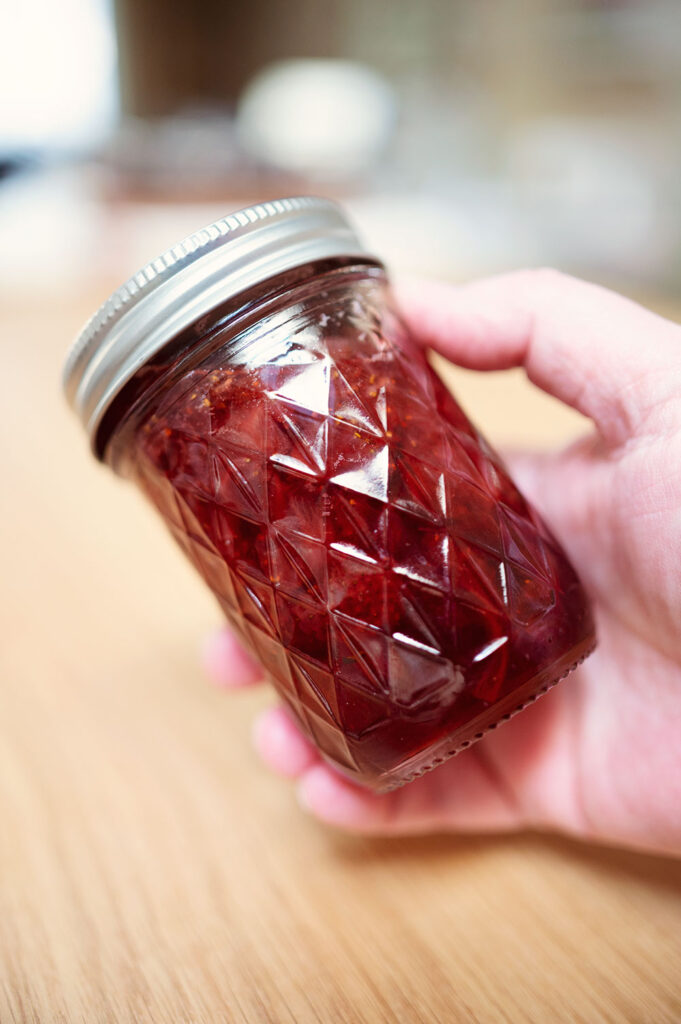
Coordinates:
[491,719]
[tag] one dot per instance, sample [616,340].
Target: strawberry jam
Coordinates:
[362,538]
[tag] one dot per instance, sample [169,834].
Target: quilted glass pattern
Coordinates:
[363,539]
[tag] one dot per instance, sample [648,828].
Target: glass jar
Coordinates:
[361,537]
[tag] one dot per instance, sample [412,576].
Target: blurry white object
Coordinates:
[57,74]
[328,117]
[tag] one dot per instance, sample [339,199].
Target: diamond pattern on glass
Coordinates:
[299,566]
[297,440]
[365,543]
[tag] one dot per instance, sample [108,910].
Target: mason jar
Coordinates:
[363,540]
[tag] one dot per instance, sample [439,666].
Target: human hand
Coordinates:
[600,755]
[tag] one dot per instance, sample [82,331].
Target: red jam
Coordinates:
[362,538]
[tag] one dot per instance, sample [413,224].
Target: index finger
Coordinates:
[598,352]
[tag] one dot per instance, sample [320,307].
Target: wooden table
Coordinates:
[152,870]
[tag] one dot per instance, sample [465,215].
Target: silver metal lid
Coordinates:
[189,280]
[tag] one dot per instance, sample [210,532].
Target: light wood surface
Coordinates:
[150,868]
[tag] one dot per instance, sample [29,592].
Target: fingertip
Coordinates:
[448,318]
[226,663]
[336,801]
[281,745]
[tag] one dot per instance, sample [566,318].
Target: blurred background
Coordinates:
[465,137]
[150,868]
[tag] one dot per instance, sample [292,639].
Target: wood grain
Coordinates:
[152,871]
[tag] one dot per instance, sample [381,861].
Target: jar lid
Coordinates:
[189,280]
